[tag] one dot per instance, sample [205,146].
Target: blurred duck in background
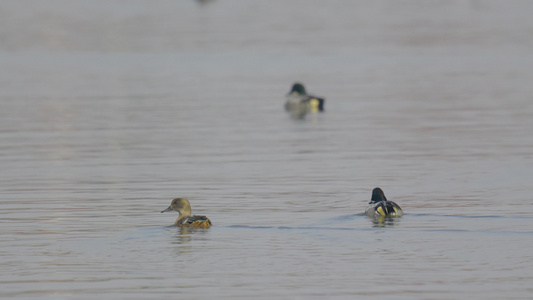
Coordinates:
[299,103]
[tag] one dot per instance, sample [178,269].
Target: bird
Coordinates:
[183,207]
[299,103]
[379,206]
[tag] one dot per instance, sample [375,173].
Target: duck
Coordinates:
[379,206]
[299,103]
[183,207]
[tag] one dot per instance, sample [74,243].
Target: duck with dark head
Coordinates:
[299,103]
[379,206]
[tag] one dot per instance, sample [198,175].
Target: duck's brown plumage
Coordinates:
[183,207]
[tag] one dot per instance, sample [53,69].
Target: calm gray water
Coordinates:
[109,109]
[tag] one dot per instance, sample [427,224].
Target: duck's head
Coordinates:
[180,205]
[298,89]
[377,196]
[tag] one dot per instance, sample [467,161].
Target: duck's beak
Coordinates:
[168,209]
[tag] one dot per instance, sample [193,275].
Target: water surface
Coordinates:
[109,110]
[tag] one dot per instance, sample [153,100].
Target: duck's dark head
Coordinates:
[298,88]
[378,195]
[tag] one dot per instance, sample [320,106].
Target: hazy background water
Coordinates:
[109,109]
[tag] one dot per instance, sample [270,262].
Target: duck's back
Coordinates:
[306,103]
[384,209]
[194,221]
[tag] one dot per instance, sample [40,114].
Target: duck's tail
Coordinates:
[317,104]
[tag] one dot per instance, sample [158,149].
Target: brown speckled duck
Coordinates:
[183,207]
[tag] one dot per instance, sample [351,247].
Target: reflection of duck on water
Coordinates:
[299,103]
[382,222]
[183,207]
[379,206]
[204,1]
